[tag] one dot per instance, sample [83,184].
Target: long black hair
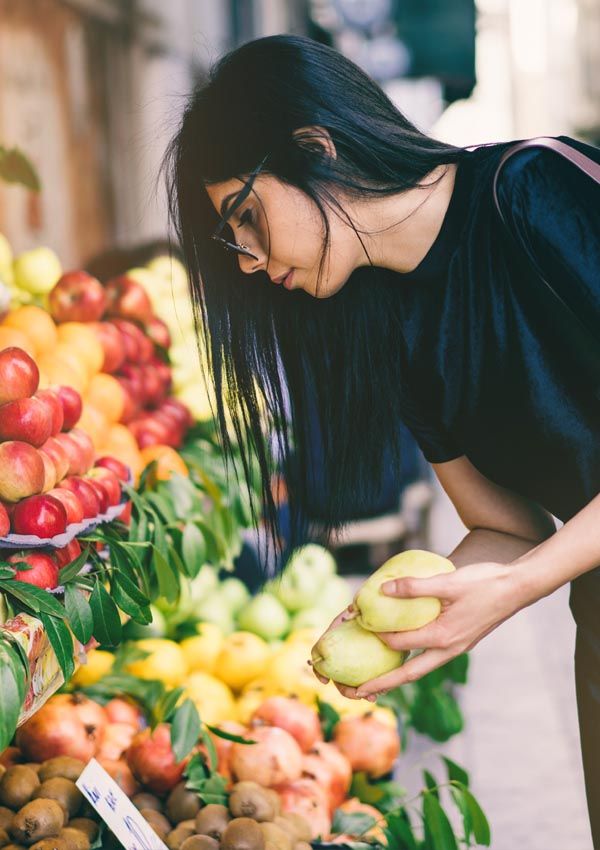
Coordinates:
[339,359]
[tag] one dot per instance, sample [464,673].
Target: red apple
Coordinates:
[133,373]
[43,572]
[4,521]
[179,409]
[57,454]
[51,399]
[164,372]
[43,516]
[175,430]
[158,332]
[148,432]
[85,493]
[144,347]
[19,375]
[50,473]
[128,299]
[125,515]
[77,297]
[67,554]
[154,389]
[71,403]
[101,493]
[107,479]
[113,345]
[71,502]
[77,459]
[129,338]
[116,466]
[84,441]
[27,419]
[132,404]
[21,471]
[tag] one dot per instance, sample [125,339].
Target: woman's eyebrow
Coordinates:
[225,201]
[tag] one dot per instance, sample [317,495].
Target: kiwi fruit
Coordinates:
[87,826]
[36,820]
[248,800]
[175,839]
[6,816]
[75,839]
[275,800]
[158,822]
[243,834]
[189,823]
[33,765]
[50,844]
[300,825]
[200,842]
[64,791]
[302,845]
[4,837]
[277,837]
[212,820]
[14,847]
[143,800]
[182,804]
[2,770]
[17,786]
[65,766]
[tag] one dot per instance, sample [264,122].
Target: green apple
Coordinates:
[335,595]
[351,655]
[380,613]
[265,616]
[235,592]
[313,618]
[171,270]
[6,260]
[156,629]
[215,609]
[318,559]
[37,271]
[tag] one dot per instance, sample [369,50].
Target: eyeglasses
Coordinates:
[235,247]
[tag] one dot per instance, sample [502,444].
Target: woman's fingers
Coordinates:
[414,669]
[410,588]
[430,636]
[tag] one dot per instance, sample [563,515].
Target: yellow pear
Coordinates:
[380,613]
[37,271]
[351,655]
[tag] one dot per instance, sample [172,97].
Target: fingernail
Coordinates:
[387,586]
[372,698]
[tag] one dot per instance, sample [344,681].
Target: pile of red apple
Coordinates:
[135,342]
[46,477]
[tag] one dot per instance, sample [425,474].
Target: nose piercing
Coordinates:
[241,245]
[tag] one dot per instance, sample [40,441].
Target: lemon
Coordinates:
[98,664]
[202,650]
[37,271]
[308,636]
[165,661]
[213,699]
[253,695]
[290,673]
[243,657]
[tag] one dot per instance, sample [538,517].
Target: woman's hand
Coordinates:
[475,600]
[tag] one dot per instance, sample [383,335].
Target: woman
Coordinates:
[339,254]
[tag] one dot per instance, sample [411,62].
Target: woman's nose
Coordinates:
[249,265]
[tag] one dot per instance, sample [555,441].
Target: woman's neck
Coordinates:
[399,230]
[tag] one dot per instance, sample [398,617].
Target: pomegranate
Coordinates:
[11,756]
[122,711]
[305,797]
[121,773]
[223,746]
[91,714]
[117,738]
[368,744]
[342,769]
[315,767]
[274,759]
[354,805]
[55,730]
[300,720]
[152,760]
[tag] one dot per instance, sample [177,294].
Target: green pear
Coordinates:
[265,616]
[350,655]
[235,592]
[380,613]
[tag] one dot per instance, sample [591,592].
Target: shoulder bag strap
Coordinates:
[584,342]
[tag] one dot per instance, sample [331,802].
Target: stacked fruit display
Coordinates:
[46,479]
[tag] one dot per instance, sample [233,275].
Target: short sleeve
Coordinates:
[434,441]
[553,210]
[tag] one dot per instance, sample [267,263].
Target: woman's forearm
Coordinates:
[572,551]
[482,544]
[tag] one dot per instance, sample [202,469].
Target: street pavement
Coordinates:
[520,744]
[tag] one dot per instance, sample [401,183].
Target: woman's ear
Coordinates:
[316,139]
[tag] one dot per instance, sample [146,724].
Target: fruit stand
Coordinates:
[128,644]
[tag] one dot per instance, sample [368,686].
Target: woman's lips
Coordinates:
[288,279]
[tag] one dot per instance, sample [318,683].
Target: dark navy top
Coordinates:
[487,370]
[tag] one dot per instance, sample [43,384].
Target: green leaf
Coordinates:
[185,729]
[352,823]
[168,580]
[210,790]
[168,705]
[130,598]
[7,572]
[436,713]
[229,736]
[61,642]
[107,625]
[11,700]
[34,597]
[79,614]
[162,506]
[461,804]
[15,167]
[69,571]
[193,549]
[400,832]
[456,772]
[457,668]
[329,718]
[431,783]
[438,830]
[212,750]
[481,827]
